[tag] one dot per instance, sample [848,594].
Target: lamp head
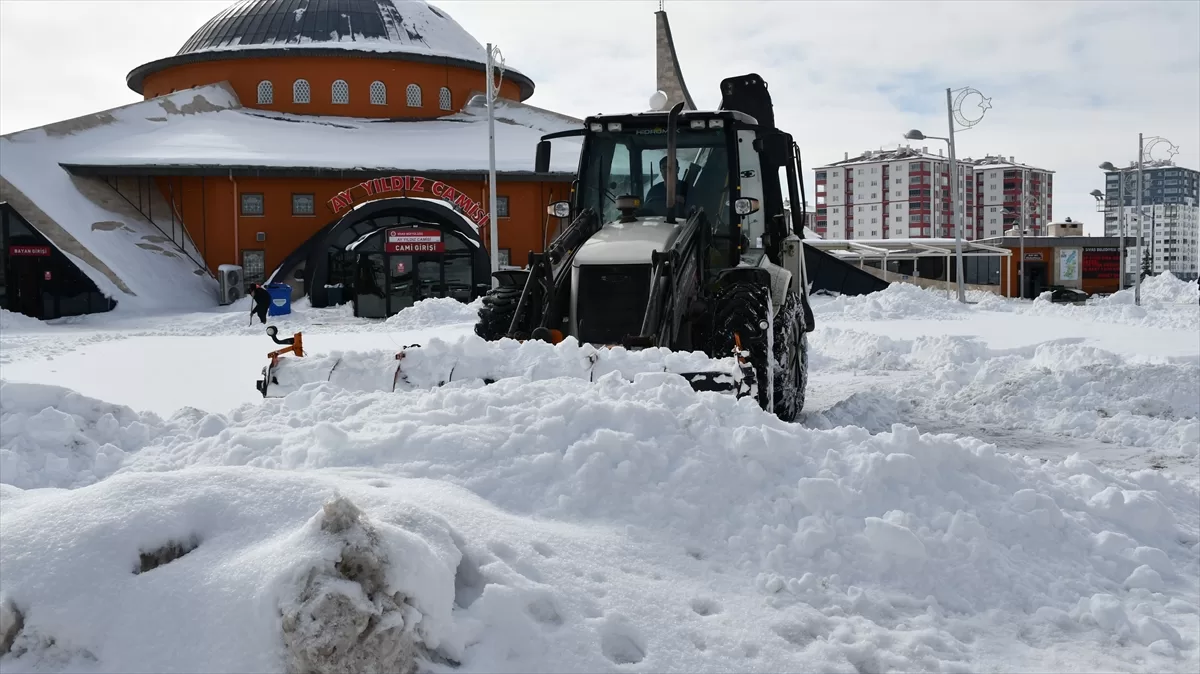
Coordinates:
[1108,166]
[914,134]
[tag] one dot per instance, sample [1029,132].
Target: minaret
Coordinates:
[669,74]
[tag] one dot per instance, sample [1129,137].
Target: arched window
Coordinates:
[378,93]
[341,92]
[413,95]
[266,92]
[444,98]
[301,92]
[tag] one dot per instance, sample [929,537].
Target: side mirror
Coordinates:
[745,206]
[541,164]
[559,209]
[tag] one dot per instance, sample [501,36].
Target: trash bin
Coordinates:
[281,299]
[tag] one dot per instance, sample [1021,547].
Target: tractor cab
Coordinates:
[624,172]
[657,183]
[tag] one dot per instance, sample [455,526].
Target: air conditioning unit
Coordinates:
[230,278]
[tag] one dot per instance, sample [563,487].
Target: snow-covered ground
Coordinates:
[1003,486]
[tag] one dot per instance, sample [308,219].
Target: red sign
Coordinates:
[1101,263]
[414,241]
[30,251]
[405,184]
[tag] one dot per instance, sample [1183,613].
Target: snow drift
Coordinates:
[53,437]
[1055,387]
[558,525]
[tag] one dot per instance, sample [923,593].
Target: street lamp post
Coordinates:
[492,88]
[954,112]
[1144,151]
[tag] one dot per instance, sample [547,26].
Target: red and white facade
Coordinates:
[1009,194]
[905,193]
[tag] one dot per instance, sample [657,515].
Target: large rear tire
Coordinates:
[791,359]
[744,309]
[496,314]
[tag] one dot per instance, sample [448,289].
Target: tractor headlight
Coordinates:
[559,209]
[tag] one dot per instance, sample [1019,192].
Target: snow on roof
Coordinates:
[880,156]
[252,138]
[126,255]
[391,26]
[910,154]
[998,161]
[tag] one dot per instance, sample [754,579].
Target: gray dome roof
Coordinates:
[379,25]
[400,29]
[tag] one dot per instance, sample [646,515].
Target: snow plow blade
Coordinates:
[417,367]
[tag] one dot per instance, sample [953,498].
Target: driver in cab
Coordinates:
[658,192]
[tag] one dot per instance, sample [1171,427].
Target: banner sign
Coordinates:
[1033,256]
[377,187]
[414,241]
[1102,263]
[29,251]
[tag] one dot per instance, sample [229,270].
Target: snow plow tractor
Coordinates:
[656,257]
[658,249]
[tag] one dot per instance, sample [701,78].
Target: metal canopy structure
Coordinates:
[886,250]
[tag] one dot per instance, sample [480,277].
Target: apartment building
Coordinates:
[1171,227]
[1009,194]
[905,193]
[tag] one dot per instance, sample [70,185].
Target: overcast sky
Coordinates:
[1072,83]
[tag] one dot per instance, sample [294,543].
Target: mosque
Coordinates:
[337,146]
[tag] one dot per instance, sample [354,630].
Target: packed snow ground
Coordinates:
[969,490]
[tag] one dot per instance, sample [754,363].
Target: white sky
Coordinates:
[1072,83]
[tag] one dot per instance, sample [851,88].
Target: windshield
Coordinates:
[632,162]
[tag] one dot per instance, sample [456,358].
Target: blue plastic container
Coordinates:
[281,299]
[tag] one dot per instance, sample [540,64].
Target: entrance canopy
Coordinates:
[902,249]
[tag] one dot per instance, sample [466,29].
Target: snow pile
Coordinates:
[11,321]
[604,516]
[1166,307]
[54,437]
[230,570]
[1058,388]
[435,312]
[472,359]
[897,301]
[1164,288]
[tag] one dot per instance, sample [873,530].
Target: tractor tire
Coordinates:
[791,359]
[745,309]
[496,314]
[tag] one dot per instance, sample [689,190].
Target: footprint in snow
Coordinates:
[621,643]
[545,612]
[543,549]
[705,607]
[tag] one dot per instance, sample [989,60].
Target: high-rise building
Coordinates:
[1009,195]
[1171,227]
[905,193]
